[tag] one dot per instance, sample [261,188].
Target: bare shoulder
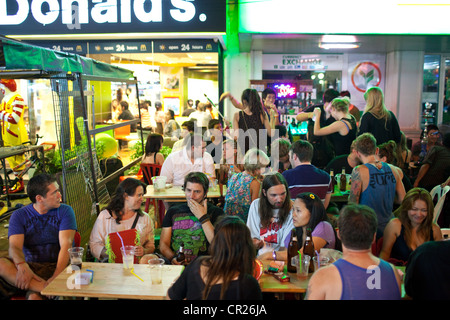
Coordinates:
[325,284]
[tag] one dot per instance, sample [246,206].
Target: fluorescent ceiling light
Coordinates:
[337,45]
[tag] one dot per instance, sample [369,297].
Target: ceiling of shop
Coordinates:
[294,43]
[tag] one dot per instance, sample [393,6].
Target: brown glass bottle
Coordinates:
[343,181]
[333,182]
[180,256]
[292,252]
[308,248]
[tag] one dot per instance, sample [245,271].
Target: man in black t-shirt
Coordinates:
[190,223]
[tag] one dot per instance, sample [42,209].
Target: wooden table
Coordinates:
[113,282]
[338,196]
[299,284]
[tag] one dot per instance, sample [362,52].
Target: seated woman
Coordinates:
[244,187]
[413,226]
[342,131]
[123,213]
[152,147]
[225,274]
[309,212]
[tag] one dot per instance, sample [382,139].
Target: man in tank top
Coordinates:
[375,183]
[358,275]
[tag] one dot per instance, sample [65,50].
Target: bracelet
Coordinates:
[19,263]
[274,255]
[203,219]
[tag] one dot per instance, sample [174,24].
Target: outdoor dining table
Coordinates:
[298,284]
[112,281]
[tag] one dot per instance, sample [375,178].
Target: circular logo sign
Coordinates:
[366,75]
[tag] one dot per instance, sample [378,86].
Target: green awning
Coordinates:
[21,56]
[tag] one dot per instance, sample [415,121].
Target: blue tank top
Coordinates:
[358,283]
[380,194]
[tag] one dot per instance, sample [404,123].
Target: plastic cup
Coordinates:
[156,266]
[127,257]
[305,265]
[321,262]
[159,183]
[76,258]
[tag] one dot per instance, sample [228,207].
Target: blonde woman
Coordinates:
[342,132]
[378,120]
[244,187]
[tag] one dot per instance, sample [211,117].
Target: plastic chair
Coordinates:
[150,170]
[445,233]
[440,193]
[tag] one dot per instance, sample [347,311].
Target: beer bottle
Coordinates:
[343,181]
[180,256]
[333,182]
[292,252]
[308,248]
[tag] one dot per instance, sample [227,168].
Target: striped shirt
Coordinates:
[308,178]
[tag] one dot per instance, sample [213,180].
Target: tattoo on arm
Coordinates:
[355,191]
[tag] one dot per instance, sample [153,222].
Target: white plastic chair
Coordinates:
[441,194]
[445,233]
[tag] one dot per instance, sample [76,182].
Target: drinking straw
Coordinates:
[124,252]
[300,260]
[132,272]
[318,259]
[92,275]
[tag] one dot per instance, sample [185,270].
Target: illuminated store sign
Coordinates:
[285,90]
[19,17]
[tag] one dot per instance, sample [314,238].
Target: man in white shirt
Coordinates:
[191,158]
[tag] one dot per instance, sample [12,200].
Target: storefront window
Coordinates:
[446,105]
[430,90]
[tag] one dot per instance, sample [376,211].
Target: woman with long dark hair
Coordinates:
[251,120]
[412,227]
[123,213]
[309,213]
[226,273]
[152,147]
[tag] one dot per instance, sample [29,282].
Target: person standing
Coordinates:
[342,132]
[378,120]
[323,148]
[375,183]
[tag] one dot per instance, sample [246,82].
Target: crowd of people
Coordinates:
[275,188]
